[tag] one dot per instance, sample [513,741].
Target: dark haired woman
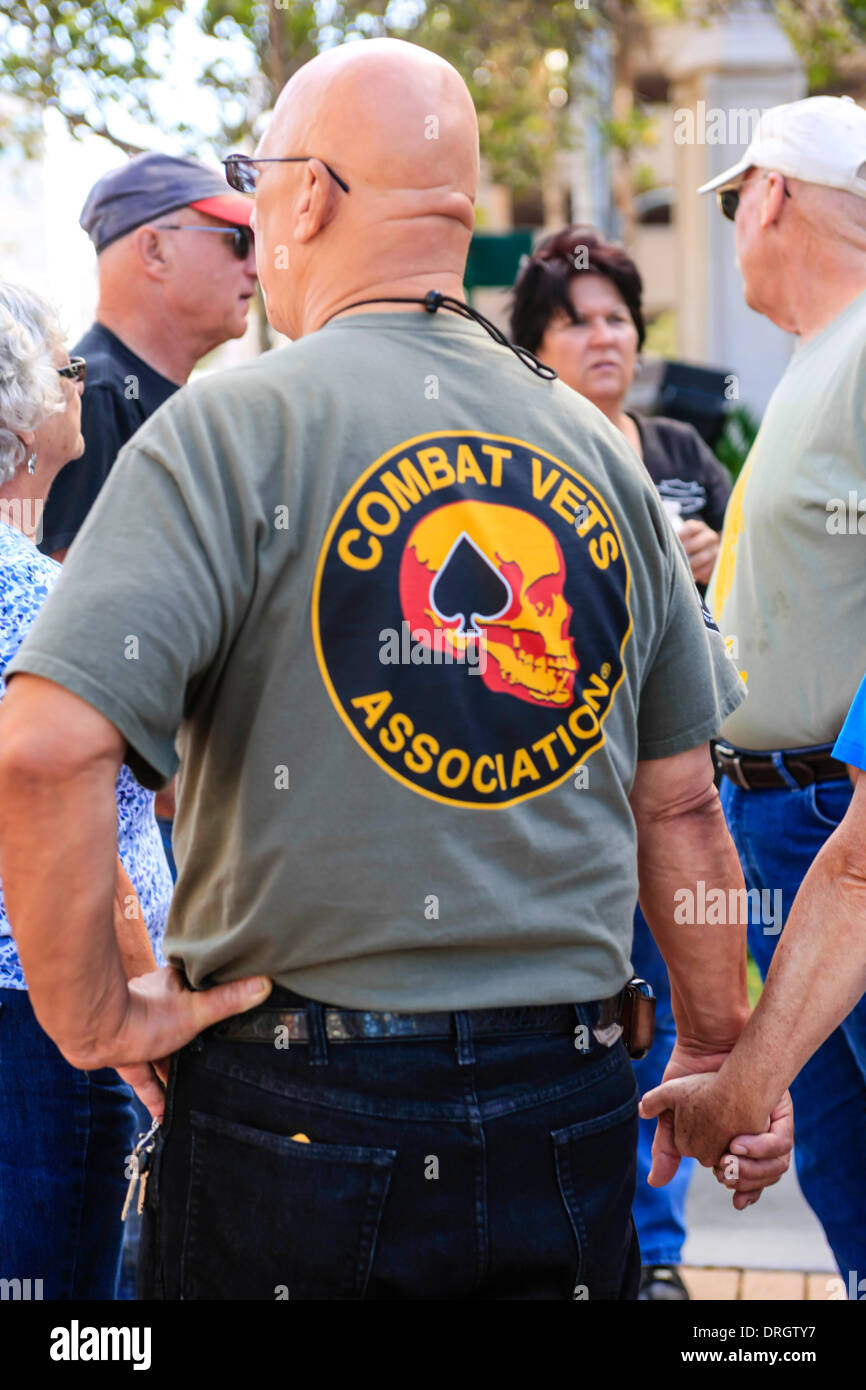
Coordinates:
[577,306]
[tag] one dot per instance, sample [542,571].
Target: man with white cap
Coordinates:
[790,584]
[166,298]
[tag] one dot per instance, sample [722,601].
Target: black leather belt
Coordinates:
[755,771]
[362,1025]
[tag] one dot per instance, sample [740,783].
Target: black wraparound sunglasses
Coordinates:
[75,369]
[242,174]
[242,237]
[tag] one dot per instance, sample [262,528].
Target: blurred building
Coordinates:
[703,86]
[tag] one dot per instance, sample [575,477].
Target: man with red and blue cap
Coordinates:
[176,267]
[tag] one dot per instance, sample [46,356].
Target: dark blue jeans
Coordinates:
[777,834]
[469,1167]
[165,829]
[64,1135]
[659,1212]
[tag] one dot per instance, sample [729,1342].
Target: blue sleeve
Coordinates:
[851,743]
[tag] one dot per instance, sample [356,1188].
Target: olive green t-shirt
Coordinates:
[407,615]
[789,586]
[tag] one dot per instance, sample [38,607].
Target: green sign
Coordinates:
[494,258]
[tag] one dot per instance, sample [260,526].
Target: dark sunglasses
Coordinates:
[75,369]
[729,200]
[242,237]
[242,174]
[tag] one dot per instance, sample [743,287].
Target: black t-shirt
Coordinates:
[120,392]
[684,468]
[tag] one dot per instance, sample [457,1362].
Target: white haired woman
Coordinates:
[63,1132]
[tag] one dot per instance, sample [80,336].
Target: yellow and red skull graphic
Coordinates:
[525,621]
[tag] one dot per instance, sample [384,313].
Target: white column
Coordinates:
[592,82]
[725,74]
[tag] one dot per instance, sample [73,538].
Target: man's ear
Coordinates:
[773,200]
[152,251]
[318,202]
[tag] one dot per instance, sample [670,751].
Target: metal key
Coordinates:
[133,1159]
[139,1160]
[142,1181]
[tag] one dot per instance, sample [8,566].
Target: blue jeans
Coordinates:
[659,1212]
[165,829]
[127,1278]
[461,1167]
[778,832]
[64,1135]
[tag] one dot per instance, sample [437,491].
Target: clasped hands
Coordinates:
[700,1115]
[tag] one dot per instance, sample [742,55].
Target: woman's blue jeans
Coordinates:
[659,1212]
[64,1135]
[777,833]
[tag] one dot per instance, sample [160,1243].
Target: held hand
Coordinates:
[163,1015]
[756,1161]
[698,1118]
[685,1063]
[701,544]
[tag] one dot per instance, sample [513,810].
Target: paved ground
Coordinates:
[773,1250]
[759,1285]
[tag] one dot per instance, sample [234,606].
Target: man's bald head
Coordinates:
[397,124]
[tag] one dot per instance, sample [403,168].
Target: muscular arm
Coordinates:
[682,837]
[59,866]
[59,759]
[817,975]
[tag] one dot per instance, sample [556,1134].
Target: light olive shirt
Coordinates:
[789,587]
[408,614]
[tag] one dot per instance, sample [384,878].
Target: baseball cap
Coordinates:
[148,186]
[819,140]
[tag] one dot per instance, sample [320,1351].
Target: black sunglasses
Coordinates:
[242,174]
[75,369]
[242,237]
[729,200]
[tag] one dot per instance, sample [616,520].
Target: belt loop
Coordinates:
[465,1049]
[318,1034]
[778,761]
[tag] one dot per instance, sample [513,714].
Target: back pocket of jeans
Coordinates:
[596,1164]
[271,1217]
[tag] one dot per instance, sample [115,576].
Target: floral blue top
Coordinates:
[26,578]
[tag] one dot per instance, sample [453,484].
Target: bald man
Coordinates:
[412,616]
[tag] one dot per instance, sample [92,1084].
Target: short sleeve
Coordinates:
[850,746]
[149,595]
[692,684]
[75,489]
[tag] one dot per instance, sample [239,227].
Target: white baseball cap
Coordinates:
[819,140]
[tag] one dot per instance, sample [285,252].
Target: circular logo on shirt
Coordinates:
[470,615]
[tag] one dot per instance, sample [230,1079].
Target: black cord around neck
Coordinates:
[435,299]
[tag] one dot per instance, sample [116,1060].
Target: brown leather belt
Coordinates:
[755,771]
[361,1025]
